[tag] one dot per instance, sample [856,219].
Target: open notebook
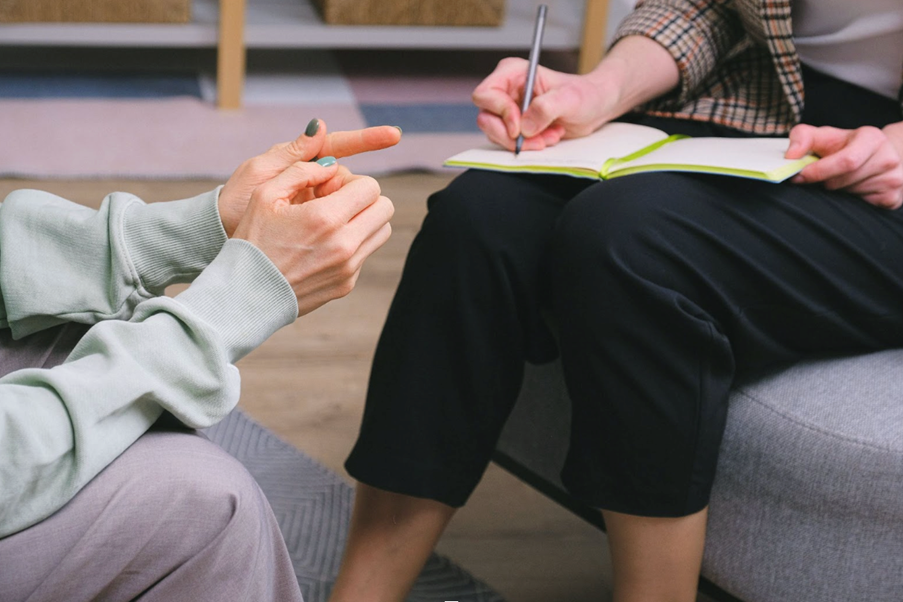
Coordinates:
[620,149]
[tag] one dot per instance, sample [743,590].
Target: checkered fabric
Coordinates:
[737,61]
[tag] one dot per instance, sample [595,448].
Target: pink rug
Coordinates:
[182,137]
[73,115]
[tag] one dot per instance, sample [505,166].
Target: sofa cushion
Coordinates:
[807,504]
[808,495]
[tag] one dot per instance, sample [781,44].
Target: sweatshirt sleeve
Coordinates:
[60,427]
[63,262]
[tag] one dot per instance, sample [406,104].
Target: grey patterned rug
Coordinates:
[313,507]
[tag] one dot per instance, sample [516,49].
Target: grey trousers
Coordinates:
[173,518]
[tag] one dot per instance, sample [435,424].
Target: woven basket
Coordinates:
[95,11]
[412,12]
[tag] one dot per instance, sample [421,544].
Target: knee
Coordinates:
[473,212]
[618,226]
[646,242]
[194,493]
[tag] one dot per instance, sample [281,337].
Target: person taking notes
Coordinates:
[657,290]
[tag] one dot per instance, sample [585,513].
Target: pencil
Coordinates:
[531,69]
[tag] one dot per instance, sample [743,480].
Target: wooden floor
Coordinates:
[307,384]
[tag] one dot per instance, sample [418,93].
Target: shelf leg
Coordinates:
[592,44]
[230,60]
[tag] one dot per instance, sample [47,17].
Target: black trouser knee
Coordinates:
[467,313]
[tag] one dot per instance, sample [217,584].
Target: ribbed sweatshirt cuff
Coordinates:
[173,241]
[243,297]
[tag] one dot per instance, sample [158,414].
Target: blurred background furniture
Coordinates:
[233,26]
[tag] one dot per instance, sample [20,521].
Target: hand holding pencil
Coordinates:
[561,105]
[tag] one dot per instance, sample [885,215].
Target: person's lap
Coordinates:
[662,288]
[669,287]
[173,517]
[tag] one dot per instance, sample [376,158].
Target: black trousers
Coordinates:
[657,290]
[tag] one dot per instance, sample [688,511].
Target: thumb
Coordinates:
[821,141]
[295,178]
[303,148]
[542,112]
[801,138]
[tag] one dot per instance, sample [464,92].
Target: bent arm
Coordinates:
[635,71]
[695,34]
[60,427]
[62,262]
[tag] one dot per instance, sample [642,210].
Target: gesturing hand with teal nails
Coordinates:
[314,142]
[317,223]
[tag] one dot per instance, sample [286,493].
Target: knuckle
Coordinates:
[261,193]
[371,186]
[255,164]
[389,206]
[484,119]
[347,272]
[541,108]
[885,199]
[294,148]
[344,288]
[244,167]
[320,221]
[849,161]
[302,172]
[300,166]
[343,250]
[508,61]
[885,162]
[870,133]
[343,173]
[813,173]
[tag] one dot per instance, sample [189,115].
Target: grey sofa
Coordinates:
[808,499]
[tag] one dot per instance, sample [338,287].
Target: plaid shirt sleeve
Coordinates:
[697,33]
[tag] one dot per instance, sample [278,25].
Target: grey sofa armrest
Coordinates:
[808,499]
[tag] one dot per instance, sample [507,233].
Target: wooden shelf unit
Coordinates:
[232,26]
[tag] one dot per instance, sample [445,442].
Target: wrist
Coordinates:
[608,82]
[635,71]
[173,241]
[243,297]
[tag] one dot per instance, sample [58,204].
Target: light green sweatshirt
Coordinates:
[146,352]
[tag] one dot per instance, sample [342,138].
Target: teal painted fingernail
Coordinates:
[400,131]
[312,127]
[326,161]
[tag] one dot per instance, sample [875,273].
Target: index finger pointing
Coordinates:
[345,144]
